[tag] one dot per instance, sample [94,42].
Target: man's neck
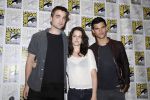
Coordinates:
[103,42]
[55,31]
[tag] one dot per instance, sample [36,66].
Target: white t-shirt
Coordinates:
[79,70]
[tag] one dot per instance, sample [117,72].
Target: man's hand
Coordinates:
[65,90]
[25,91]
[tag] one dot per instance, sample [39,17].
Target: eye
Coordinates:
[95,29]
[57,16]
[80,36]
[73,36]
[64,18]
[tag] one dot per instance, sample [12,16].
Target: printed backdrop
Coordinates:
[128,21]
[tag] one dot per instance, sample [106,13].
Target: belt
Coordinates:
[80,89]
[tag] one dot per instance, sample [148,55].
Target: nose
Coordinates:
[62,20]
[100,30]
[76,38]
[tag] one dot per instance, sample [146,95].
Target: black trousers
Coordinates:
[79,94]
[114,94]
[55,94]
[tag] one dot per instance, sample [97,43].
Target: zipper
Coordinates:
[117,68]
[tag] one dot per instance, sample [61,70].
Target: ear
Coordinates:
[50,18]
[106,29]
[82,42]
[92,31]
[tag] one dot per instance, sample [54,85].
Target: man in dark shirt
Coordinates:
[112,63]
[46,80]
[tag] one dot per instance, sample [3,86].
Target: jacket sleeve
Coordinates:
[32,48]
[125,64]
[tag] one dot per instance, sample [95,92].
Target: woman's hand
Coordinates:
[94,97]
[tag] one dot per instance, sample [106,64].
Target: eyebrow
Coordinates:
[57,15]
[99,27]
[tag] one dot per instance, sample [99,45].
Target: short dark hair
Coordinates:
[84,44]
[98,20]
[62,9]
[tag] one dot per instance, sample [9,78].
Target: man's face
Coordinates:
[58,20]
[100,31]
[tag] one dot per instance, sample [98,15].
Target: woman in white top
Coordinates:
[81,67]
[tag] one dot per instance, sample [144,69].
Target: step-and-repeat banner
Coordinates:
[128,21]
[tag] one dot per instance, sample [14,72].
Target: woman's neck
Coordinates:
[76,51]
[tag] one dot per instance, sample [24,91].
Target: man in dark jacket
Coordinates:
[112,63]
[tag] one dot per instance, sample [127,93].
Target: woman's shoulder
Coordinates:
[90,51]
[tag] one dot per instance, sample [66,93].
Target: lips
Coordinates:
[76,41]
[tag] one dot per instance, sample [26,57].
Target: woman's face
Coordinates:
[77,38]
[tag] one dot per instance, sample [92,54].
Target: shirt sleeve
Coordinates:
[32,48]
[91,59]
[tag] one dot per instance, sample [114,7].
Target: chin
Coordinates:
[76,44]
[59,28]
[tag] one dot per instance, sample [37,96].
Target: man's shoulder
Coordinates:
[115,41]
[40,33]
[64,34]
[92,46]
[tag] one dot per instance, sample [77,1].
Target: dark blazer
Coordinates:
[120,59]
